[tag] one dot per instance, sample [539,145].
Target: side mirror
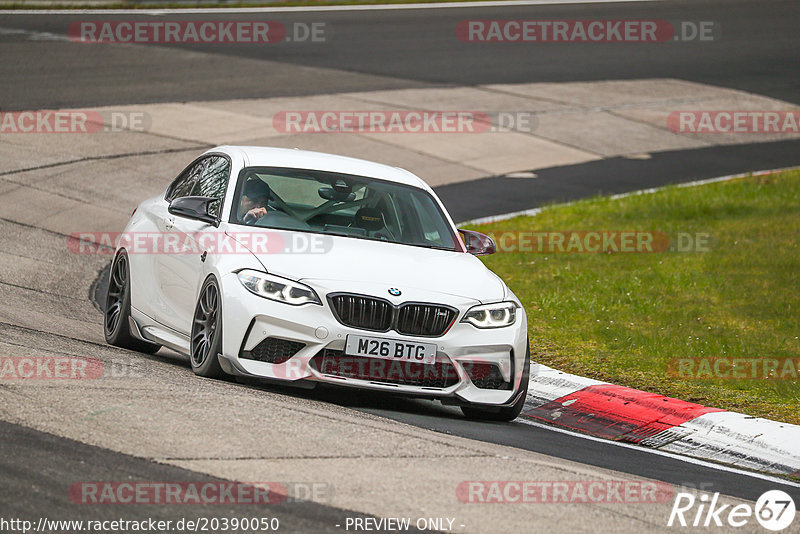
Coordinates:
[477,243]
[198,208]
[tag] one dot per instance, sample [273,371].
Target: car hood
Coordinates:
[372,267]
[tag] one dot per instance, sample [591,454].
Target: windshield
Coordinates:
[340,204]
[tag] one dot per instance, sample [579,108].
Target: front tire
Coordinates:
[504,413]
[116,318]
[206,340]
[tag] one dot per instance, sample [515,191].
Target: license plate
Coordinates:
[390,349]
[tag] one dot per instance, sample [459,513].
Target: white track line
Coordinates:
[275,9]
[688,459]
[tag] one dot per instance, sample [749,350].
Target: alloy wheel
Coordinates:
[205,324]
[116,293]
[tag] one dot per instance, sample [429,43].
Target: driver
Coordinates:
[253,204]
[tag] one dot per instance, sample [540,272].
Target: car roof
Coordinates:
[257,156]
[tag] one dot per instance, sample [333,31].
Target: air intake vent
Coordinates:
[486,376]
[335,362]
[273,350]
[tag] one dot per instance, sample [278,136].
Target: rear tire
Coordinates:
[504,413]
[116,319]
[206,340]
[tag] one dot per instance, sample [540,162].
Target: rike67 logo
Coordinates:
[774,510]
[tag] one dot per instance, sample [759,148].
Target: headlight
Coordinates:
[277,288]
[492,315]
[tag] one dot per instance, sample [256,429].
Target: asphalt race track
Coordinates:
[407,48]
[157,421]
[42,461]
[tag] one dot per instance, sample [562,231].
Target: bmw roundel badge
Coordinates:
[394,292]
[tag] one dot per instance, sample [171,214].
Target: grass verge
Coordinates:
[662,321]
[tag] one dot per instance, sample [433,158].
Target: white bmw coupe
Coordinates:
[301,267]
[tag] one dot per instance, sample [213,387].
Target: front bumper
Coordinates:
[249,319]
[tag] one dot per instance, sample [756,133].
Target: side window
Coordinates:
[183,184]
[212,181]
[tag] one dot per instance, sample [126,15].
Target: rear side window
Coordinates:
[183,184]
[207,177]
[212,181]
